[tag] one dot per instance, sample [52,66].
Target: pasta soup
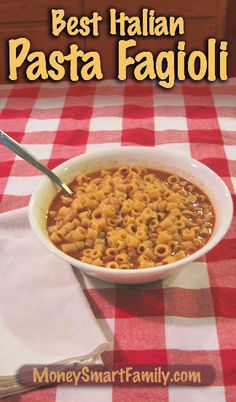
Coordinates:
[130,218]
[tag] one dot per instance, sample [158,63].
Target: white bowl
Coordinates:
[158,158]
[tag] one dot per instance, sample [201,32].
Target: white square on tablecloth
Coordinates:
[107,145]
[162,99]
[183,147]
[227,123]
[233,179]
[191,333]
[107,123]
[42,125]
[49,103]
[191,276]
[108,100]
[107,83]
[41,151]
[21,186]
[224,100]
[196,394]
[230,151]
[3,102]
[170,123]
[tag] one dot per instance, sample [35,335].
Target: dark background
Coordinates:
[31,19]
[231,36]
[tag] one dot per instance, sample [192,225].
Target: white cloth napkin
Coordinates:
[44,316]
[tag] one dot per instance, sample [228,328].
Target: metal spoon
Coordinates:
[23,153]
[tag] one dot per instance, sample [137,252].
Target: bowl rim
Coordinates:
[85,267]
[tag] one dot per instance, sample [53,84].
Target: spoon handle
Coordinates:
[24,154]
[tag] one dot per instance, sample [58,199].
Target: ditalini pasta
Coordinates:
[130,218]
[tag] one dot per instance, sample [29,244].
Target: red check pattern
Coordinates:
[187,319]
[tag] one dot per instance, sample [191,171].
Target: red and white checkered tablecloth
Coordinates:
[187,319]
